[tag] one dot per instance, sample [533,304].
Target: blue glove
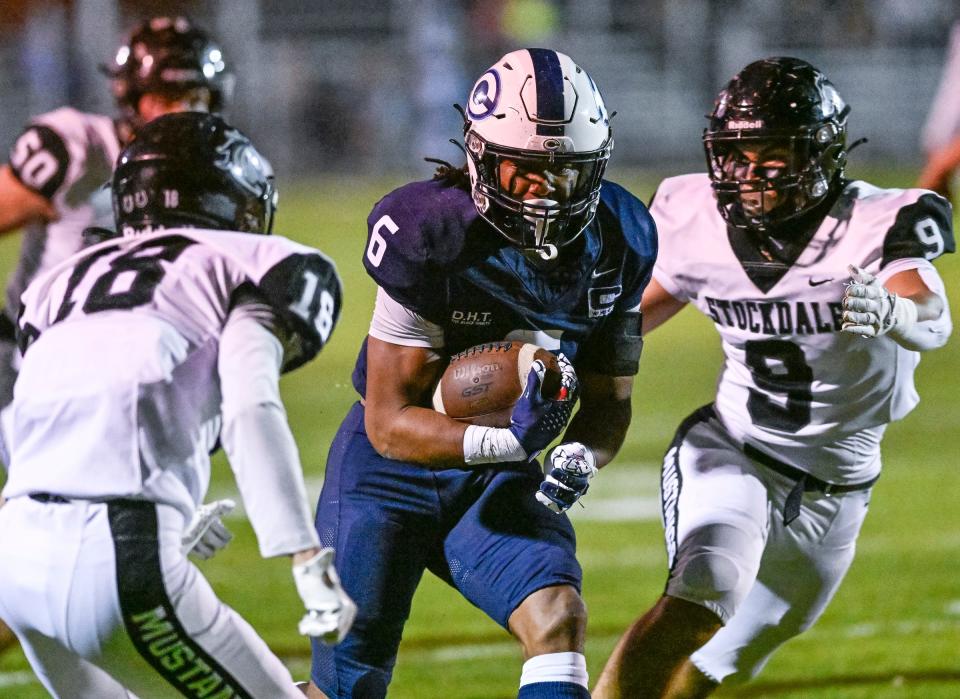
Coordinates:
[538,419]
[572,465]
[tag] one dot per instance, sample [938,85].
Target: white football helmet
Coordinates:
[538,139]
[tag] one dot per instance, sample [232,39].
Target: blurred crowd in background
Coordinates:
[367,86]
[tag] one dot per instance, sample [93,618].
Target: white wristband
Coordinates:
[913,335]
[904,313]
[488,445]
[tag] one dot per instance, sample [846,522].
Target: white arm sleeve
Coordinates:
[256,436]
[930,334]
[394,323]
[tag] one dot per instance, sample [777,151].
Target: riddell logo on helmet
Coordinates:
[745,124]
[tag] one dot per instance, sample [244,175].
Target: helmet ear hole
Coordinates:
[819,188]
[474,144]
[825,134]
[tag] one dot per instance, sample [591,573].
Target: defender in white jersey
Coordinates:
[141,353]
[823,292]
[53,185]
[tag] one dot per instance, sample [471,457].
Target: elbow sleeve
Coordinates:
[930,334]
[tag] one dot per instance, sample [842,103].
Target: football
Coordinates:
[483,383]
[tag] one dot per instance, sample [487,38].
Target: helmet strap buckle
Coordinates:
[548,252]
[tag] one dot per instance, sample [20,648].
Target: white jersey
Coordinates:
[792,383]
[118,394]
[66,156]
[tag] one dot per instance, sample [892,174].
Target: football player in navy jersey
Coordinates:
[824,294]
[526,243]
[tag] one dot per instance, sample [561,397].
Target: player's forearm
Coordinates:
[418,435]
[264,459]
[929,305]
[19,205]
[932,326]
[602,429]
[939,166]
[256,435]
[929,330]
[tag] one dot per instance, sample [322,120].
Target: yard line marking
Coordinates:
[17,679]
[508,648]
[622,492]
[653,556]
[635,509]
[472,652]
[901,627]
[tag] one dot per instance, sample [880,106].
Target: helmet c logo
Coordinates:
[485,96]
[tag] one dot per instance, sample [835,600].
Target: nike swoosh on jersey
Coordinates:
[812,282]
[599,273]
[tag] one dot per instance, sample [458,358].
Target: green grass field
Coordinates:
[892,631]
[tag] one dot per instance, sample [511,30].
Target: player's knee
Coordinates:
[711,574]
[716,567]
[713,578]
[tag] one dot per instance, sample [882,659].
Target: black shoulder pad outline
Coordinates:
[306,292]
[921,229]
[40,160]
[25,334]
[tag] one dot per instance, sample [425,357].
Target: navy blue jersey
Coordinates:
[429,249]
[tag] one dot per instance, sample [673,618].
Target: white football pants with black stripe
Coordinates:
[729,550]
[105,605]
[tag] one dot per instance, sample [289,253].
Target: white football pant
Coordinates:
[729,550]
[106,605]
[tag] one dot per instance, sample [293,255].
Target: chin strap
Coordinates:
[856,144]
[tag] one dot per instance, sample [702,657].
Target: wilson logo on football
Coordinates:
[464,372]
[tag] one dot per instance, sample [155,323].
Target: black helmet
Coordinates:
[784,111]
[192,169]
[168,55]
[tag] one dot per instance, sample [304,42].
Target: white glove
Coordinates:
[206,534]
[572,465]
[330,611]
[870,310]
